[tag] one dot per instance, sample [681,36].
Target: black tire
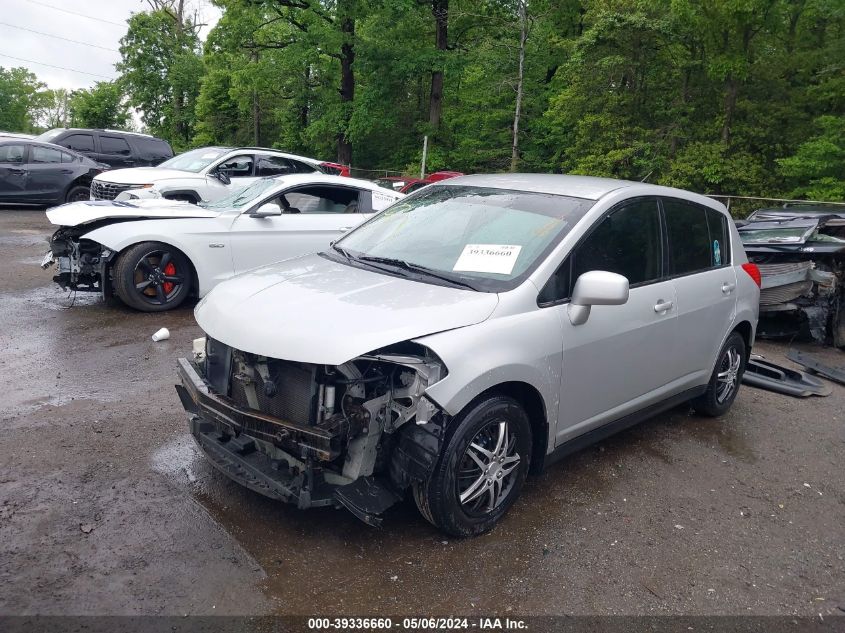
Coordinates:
[152,277]
[725,379]
[78,193]
[459,470]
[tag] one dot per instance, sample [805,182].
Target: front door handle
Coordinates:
[344,229]
[17,172]
[728,288]
[662,306]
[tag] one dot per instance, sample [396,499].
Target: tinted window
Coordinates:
[302,168]
[68,158]
[114,145]
[689,237]
[45,155]
[626,242]
[153,148]
[273,166]
[321,200]
[720,251]
[79,142]
[12,153]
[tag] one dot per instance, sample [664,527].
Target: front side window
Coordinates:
[237,167]
[45,155]
[490,239]
[692,248]
[243,198]
[114,145]
[320,200]
[12,153]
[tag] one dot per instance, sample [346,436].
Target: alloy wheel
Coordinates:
[487,470]
[728,376]
[156,277]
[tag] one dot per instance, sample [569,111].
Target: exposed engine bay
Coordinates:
[800,252]
[81,264]
[355,435]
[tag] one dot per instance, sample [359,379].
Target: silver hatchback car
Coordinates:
[471,333]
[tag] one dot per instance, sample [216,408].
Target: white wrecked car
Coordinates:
[153,254]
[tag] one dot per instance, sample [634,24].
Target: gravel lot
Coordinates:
[106,507]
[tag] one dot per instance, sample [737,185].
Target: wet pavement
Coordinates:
[106,506]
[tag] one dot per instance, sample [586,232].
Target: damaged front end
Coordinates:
[356,435]
[81,264]
[801,256]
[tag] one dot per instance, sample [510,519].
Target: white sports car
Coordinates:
[153,254]
[204,174]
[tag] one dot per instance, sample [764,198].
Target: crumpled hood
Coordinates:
[144,175]
[314,310]
[76,213]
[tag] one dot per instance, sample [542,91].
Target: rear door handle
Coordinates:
[17,172]
[728,288]
[662,306]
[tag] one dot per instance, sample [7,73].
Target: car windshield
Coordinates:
[488,239]
[196,160]
[245,197]
[49,135]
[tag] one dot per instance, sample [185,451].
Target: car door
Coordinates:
[312,216]
[705,282]
[13,172]
[115,151]
[47,176]
[622,358]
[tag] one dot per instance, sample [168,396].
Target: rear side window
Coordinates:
[153,149]
[114,145]
[691,247]
[45,155]
[78,142]
[273,166]
[68,158]
[720,252]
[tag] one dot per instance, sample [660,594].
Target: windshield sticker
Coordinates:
[210,155]
[717,253]
[488,258]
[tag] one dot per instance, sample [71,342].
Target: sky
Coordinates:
[30,32]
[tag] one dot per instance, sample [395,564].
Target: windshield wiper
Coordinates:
[342,251]
[415,268]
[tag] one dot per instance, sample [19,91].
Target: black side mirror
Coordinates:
[223,177]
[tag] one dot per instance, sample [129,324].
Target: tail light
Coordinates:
[753,272]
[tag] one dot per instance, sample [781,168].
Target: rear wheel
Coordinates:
[152,277]
[78,193]
[481,471]
[725,379]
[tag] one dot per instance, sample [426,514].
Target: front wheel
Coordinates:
[152,277]
[725,379]
[481,471]
[78,193]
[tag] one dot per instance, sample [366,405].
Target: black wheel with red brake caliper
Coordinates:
[152,277]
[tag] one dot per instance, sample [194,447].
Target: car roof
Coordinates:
[107,130]
[277,152]
[589,187]
[326,179]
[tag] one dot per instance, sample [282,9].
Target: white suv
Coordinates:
[200,175]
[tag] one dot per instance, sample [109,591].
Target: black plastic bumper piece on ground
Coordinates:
[837,374]
[766,375]
[366,498]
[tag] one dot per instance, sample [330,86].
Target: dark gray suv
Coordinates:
[113,147]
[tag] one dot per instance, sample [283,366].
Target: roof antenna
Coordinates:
[647,175]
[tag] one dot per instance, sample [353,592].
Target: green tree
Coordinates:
[161,69]
[21,100]
[817,169]
[102,106]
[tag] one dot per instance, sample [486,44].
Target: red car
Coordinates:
[407,185]
[335,169]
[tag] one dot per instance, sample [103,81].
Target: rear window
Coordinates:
[153,148]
